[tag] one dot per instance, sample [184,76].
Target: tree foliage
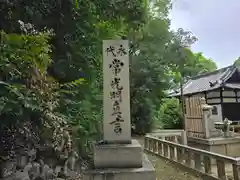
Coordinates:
[170,114]
[78,31]
[237,61]
[59,76]
[29,97]
[162,57]
[148,74]
[79,28]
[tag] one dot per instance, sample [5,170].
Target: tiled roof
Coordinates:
[233,86]
[208,81]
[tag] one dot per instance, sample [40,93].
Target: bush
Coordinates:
[141,116]
[169,115]
[29,97]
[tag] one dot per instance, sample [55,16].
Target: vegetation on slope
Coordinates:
[52,80]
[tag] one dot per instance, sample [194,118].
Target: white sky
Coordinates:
[216,23]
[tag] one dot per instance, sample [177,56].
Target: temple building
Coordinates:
[221,89]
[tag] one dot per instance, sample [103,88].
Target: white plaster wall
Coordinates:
[218,117]
[228,94]
[213,94]
[211,101]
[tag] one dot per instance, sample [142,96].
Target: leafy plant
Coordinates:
[169,115]
[28,94]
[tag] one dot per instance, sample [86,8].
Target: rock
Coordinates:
[38,178]
[22,161]
[62,174]
[32,154]
[71,161]
[72,175]
[7,168]
[28,167]
[51,161]
[35,170]
[44,171]
[57,170]
[47,173]
[22,175]
[50,174]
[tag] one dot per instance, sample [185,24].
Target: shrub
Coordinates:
[28,95]
[169,115]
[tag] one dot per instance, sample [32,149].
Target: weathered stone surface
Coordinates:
[116,131]
[47,172]
[38,178]
[7,168]
[72,161]
[146,172]
[215,133]
[36,169]
[118,155]
[22,175]
[22,161]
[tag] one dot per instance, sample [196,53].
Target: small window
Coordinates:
[215,110]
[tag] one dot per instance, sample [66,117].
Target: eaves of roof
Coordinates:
[208,81]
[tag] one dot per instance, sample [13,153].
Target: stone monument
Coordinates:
[118,157]
[208,122]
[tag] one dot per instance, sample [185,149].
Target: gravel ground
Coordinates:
[166,171]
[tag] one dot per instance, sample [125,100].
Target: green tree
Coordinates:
[149,67]
[184,63]
[28,95]
[79,29]
[203,64]
[161,59]
[169,115]
[237,61]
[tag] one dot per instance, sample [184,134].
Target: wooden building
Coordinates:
[220,88]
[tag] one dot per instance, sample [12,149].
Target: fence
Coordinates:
[194,117]
[174,135]
[198,160]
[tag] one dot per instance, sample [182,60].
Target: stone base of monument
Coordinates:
[118,155]
[120,162]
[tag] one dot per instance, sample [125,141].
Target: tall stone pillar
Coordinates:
[118,157]
[208,122]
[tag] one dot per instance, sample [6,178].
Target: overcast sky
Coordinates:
[216,23]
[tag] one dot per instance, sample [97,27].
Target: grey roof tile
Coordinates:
[207,82]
